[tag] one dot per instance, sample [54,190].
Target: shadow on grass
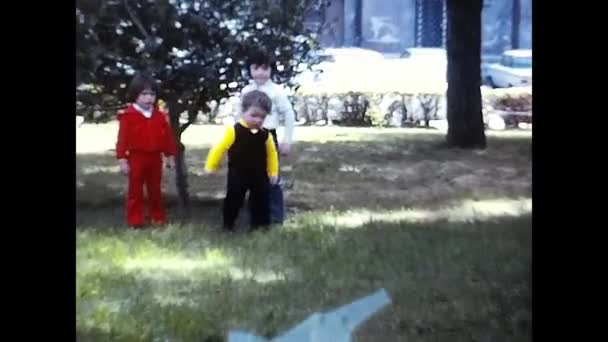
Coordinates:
[447,281]
[386,171]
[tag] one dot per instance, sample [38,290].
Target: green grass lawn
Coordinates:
[446,232]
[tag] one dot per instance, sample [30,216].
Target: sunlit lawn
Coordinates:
[446,232]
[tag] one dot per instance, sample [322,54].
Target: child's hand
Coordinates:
[170,162]
[284,149]
[210,172]
[124,166]
[274,180]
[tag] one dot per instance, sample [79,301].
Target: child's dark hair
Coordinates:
[140,83]
[260,57]
[258,99]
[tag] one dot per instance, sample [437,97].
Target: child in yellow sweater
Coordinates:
[253,162]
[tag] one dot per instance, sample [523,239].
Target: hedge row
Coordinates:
[390,109]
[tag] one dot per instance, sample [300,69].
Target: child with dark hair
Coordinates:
[144,135]
[260,66]
[253,162]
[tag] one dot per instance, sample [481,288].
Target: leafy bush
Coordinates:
[395,109]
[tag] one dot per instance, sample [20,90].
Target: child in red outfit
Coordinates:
[144,135]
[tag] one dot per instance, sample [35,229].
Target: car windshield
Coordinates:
[522,62]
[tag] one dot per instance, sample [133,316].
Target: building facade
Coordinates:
[391,26]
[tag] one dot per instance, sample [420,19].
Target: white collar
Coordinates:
[146,113]
[267,84]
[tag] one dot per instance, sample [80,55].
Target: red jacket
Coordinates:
[138,133]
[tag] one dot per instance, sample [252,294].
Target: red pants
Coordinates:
[145,168]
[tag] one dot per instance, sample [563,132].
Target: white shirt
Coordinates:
[281,107]
[146,113]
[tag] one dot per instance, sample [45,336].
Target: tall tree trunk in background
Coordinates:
[181,169]
[465,118]
[515,17]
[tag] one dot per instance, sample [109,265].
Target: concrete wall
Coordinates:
[333,35]
[525,25]
[389,25]
[349,22]
[496,26]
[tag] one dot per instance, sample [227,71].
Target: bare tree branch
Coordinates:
[136,21]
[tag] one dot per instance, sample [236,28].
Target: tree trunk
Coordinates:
[515,17]
[181,169]
[181,182]
[465,118]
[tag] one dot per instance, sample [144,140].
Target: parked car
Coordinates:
[413,70]
[426,66]
[435,59]
[332,58]
[349,54]
[420,52]
[487,60]
[340,68]
[513,70]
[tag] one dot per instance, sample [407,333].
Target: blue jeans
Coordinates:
[277,204]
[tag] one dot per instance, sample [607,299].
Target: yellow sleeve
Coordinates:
[272,157]
[218,150]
